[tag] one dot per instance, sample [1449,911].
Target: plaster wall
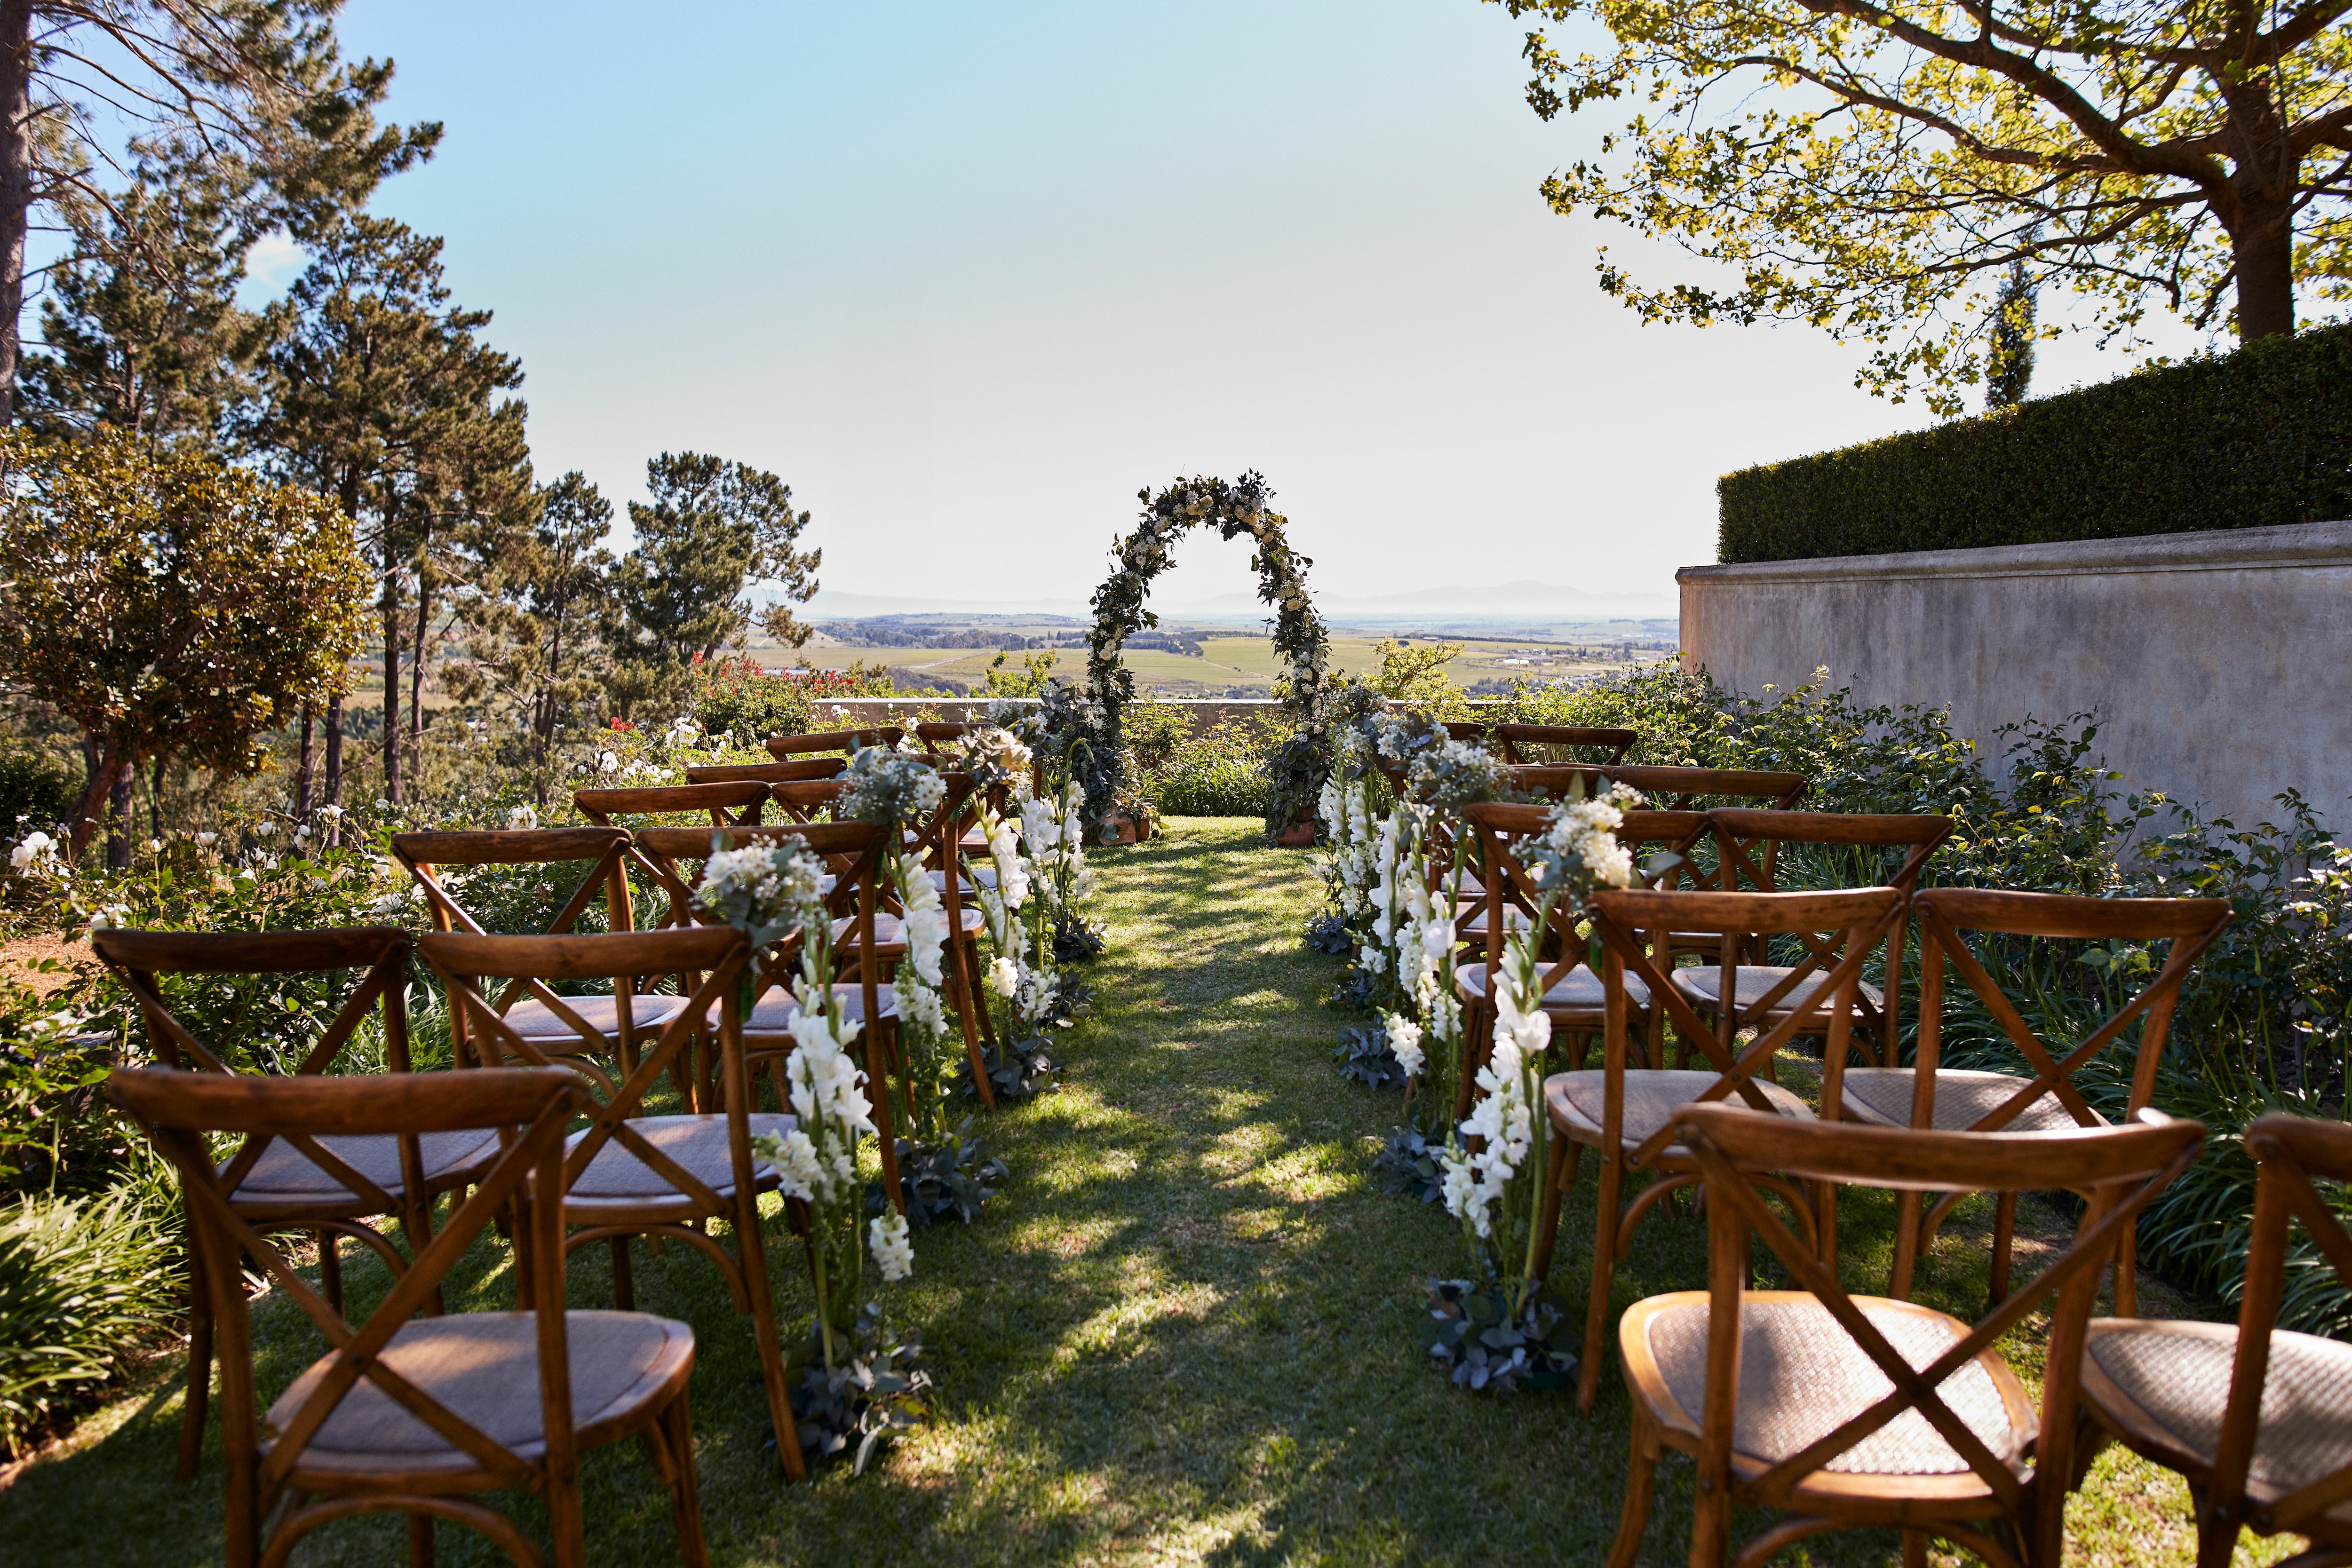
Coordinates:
[2215,660]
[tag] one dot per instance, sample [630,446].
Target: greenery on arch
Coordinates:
[1235,510]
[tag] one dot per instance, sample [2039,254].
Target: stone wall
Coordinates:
[2215,660]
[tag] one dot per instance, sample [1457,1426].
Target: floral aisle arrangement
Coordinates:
[1022,996]
[1495,1328]
[1235,510]
[1053,834]
[857,1387]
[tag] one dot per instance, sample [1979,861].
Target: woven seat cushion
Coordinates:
[699,1144]
[1883,1094]
[2179,1374]
[889,930]
[485,1367]
[1474,924]
[1751,981]
[537,1022]
[285,1174]
[1651,1098]
[1802,1375]
[1578,991]
[776,1009]
[984,875]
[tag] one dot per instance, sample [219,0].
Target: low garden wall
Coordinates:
[2213,659]
[867,712]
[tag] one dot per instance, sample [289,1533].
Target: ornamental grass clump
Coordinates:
[82,1285]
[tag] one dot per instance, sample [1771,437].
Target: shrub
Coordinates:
[82,1284]
[2252,438]
[1220,772]
[36,791]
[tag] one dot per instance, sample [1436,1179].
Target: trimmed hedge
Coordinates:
[2242,440]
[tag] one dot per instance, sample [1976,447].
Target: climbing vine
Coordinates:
[1233,510]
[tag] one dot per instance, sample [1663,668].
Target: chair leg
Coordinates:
[1605,1264]
[200,1373]
[1914,1548]
[967,1002]
[1641,1476]
[751,1256]
[625,1286]
[2127,1281]
[1556,1179]
[331,1269]
[420,1541]
[685,1496]
[2004,1231]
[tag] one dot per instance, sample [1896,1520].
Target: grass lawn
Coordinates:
[1185,1334]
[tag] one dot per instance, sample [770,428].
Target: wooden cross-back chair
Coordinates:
[629,1173]
[1747,859]
[854,901]
[1929,1095]
[1626,1113]
[936,737]
[415,1415]
[768,772]
[1846,1412]
[614,1022]
[805,800]
[2255,1418]
[785,748]
[330,1186]
[728,801]
[1573,995]
[1525,743]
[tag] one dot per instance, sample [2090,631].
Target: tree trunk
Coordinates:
[2264,245]
[118,823]
[305,770]
[155,801]
[417,673]
[16,183]
[334,755]
[87,815]
[391,673]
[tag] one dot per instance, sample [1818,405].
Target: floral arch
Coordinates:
[1299,638]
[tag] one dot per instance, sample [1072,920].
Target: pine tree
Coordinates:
[377,392]
[259,85]
[2008,358]
[712,528]
[530,623]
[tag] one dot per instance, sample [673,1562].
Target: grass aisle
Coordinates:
[1185,1334]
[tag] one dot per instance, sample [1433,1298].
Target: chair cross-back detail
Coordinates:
[1627,1114]
[1572,991]
[614,1022]
[1667,789]
[406,1414]
[327,1185]
[1747,845]
[1929,1095]
[629,1173]
[1517,741]
[785,748]
[1848,1412]
[2255,1418]
[730,802]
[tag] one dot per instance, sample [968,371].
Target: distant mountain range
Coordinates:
[1512,601]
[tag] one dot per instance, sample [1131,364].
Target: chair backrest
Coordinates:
[2290,1151]
[2190,924]
[936,737]
[742,798]
[380,952]
[768,772]
[2117,1170]
[1462,729]
[1532,743]
[717,953]
[531,1110]
[784,747]
[852,853]
[1672,789]
[807,800]
[1819,996]
[605,851]
[1668,835]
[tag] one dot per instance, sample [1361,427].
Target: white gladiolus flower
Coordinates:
[1404,1043]
[927,934]
[794,1159]
[1004,977]
[893,1253]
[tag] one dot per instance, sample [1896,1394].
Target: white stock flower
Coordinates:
[1004,977]
[794,1159]
[927,935]
[893,1253]
[1404,1043]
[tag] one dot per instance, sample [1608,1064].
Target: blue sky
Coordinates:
[967,277]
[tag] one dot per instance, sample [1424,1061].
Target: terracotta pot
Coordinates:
[1119,823]
[1298,835]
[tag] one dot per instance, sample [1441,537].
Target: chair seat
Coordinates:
[1474,924]
[772,1017]
[617,1177]
[1701,982]
[1580,991]
[1883,1094]
[1653,1095]
[983,876]
[2171,1380]
[889,931]
[485,1367]
[1801,1377]
[284,1177]
[539,1023]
